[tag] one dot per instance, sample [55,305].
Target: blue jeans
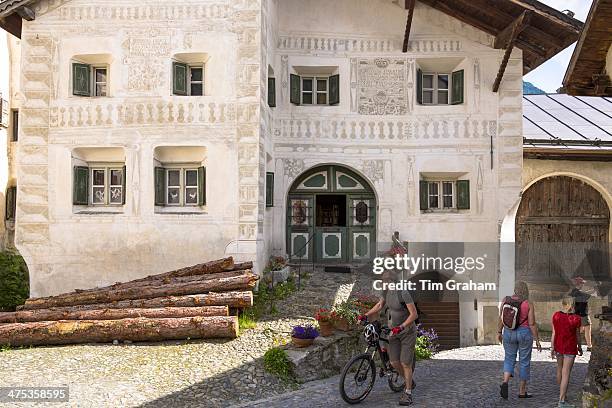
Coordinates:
[518,341]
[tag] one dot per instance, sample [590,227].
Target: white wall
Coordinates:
[393,150]
[66,248]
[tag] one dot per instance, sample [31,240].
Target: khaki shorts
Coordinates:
[401,347]
[585,320]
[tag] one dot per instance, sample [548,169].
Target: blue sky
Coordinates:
[549,75]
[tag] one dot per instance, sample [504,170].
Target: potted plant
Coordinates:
[277,270]
[364,302]
[303,336]
[346,315]
[325,318]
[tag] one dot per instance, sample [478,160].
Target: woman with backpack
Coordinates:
[517,319]
[565,342]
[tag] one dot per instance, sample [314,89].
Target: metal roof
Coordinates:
[564,121]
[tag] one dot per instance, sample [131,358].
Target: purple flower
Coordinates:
[304,332]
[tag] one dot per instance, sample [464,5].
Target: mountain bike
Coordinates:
[359,374]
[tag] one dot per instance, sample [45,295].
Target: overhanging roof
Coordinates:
[548,32]
[587,66]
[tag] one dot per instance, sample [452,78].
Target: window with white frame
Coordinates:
[182,186]
[100,81]
[106,185]
[314,90]
[435,89]
[444,194]
[187,79]
[441,194]
[89,80]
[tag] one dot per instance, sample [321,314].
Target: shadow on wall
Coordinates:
[14,280]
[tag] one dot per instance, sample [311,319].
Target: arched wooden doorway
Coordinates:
[562,231]
[331,216]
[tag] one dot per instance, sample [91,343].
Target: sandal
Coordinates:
[525,395]
[503,390]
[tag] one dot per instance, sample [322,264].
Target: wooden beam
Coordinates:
[11,24]
[409,5]
[502,40]
[26,13]
[517,26]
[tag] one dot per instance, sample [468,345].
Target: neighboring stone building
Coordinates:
[561,224]
[163,133]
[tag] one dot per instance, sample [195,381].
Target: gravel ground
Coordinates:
[203,373]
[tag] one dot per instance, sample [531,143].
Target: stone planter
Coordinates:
[342,324]
[281,275]
[300,343]
[326,357]
[326,328]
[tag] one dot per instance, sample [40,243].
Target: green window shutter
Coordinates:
[272,92]
[334,89]
[202,185]
[11,203]
[295,89]
[123,183]
[80,193]
[457,87]
[419,87]
[423,198]
[179,78]
[81,79]
[463,194]
[269,189]
[160,186]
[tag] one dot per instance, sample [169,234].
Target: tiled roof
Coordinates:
[8,5]
[563,121]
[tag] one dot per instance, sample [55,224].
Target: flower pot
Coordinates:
[326,328]
[342,324]
[301,342]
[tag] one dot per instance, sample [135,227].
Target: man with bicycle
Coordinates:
[401,315]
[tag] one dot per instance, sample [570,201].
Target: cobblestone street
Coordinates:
[218,373]
[467,377]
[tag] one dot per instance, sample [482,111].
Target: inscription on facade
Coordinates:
[382,86]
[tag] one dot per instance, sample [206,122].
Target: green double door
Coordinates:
[331,227]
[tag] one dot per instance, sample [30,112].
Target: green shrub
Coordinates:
[422,350]
[14,281]
[276,362]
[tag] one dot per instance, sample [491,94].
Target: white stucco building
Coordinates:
[158,134]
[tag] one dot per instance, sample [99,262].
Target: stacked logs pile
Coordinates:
[193,302]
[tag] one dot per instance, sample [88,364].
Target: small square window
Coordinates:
[100,79]
[196,81]
[435,89]
[433,195]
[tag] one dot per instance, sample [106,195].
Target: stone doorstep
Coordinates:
[326,357]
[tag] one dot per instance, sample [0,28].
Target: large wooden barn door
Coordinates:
[562,231]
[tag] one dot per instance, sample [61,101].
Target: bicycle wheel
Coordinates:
[396,381]
[357,378]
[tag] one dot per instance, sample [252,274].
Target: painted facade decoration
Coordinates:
[374,148]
